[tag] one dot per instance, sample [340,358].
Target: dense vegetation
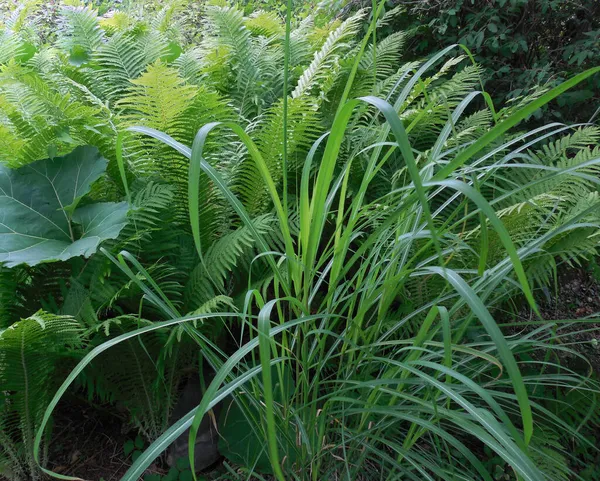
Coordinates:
[521,44]
[332,231]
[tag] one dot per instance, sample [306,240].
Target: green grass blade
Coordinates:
[488,322]
[264,343]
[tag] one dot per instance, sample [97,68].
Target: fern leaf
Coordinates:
[123,58]
[267,24]
[327,56]
[208,278]
[80,32]
[30,352]
[303,129]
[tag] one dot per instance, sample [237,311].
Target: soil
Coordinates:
[88,442]
[576,296]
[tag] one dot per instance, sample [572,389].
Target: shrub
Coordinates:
[521,44]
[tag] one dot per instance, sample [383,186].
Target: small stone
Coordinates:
[206,451]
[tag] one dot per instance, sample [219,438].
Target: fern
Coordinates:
[11,46]
[546,206]
[44,111]
[569,144]
[31,351]
[208,279]
[442,97]
[303,129]
[80,33]
[119,21]
[300,46]
[266,24]
[189,65]
[78,304]
[145,237]
[327,57]
[386,58]
[123,58]
[9,298]
[229,35]
[46,62]
[161,99]
[18,35]
[216,304]
[168,22]
[157,98]
[131,375]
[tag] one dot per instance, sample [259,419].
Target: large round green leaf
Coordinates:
[39,218]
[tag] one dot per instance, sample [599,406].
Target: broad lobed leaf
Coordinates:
[39,217]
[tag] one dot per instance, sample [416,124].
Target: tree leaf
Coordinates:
[39,218]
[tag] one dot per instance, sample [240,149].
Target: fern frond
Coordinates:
[431,112]
[45,61]
[161,99]
[157,98]
[215,304]
[327,56]
[167,21]
[208,278]
[303,129]
[9,298]
[123,58]
[117,21]
[568,152]
[245,67]
[580,139]
[18,19]
[267,24]
[80,33]
[189,65]
[18,34]
[388,53]
[31,350]
[40,111]
[153,206]
[78,304]
[300,47]
[390,15]
[516,103]
[11,46]
[129,373]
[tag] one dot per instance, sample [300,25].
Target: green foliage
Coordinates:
[133,375]
[520,43]
[82,34]
[322,69]
[43,111]
[303,129]
[42,221]
[239,442]
[362,265]
[33,351]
